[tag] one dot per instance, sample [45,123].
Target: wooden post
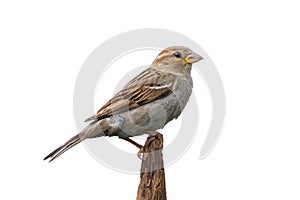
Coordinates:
[152,184]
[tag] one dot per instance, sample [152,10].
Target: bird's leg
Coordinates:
[139,154]
[141,151]
[133,142]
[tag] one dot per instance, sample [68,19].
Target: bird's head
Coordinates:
[177,59]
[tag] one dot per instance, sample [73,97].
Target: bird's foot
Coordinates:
[140,154]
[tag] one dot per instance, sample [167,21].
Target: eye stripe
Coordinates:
[164,54]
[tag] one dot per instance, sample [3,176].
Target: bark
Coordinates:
[152,184]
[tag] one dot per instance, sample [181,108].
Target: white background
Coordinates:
[255,46]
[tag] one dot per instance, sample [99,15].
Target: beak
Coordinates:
[192,58]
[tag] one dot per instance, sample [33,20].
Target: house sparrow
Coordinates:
[147,103]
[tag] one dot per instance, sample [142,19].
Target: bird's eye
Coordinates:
[177,54]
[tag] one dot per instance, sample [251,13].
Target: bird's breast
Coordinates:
[181,93]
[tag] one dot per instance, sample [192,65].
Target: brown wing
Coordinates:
[145,88]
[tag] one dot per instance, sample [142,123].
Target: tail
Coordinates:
[62,149]
[94,129]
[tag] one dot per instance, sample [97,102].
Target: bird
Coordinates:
[145,104]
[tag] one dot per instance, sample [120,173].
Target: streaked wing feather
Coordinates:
[145,88]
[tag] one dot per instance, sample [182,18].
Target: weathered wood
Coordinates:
[152,184]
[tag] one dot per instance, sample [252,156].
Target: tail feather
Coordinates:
[94,129]
[60,150]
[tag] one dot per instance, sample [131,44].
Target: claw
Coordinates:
[141,154]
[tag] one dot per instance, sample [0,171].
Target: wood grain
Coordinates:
[152,184]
